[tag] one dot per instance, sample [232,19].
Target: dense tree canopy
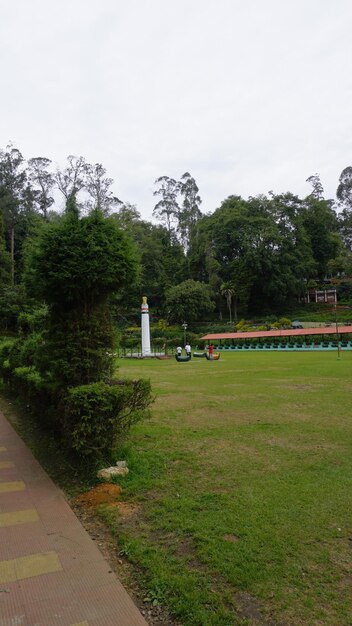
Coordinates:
[190,300]
[5,261]
[260,247]
[263,250]
[75,259]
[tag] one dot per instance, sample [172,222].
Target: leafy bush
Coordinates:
[33,320]
[5,350]
[284,322]
[96,416]
[15,355]
[39,396]
[244,327]
[20,352]
[11,304]
[77,346]
[29,349]
[162,324]
[28,376]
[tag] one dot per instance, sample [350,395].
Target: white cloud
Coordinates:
[246,96]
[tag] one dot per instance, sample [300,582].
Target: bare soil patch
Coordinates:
[250,608]
[231,538]
[106,493]
[125,509]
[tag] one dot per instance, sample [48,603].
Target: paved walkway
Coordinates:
[51,572]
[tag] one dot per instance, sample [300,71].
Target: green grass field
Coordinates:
[242,487]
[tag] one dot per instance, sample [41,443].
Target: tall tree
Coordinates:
[128,216]
[167,209]
[74,266]
[345,227]
[318,189]
[43,181]
[321,225]
[5,259]
[15,195]
[98,186]
[189,213]
[344,189]
[344,196]
[72,178]
[162,260]
[227,290]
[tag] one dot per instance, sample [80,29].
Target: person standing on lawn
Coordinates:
[188,349]
[210,350]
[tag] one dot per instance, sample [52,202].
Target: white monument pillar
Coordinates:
[145,328]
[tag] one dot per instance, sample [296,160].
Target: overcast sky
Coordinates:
[247,95]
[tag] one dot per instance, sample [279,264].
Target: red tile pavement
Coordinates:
[15,541]
[16,501]
[85,589]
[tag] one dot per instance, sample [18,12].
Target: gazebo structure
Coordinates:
[327,338]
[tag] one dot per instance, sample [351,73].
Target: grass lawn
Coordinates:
[240,489]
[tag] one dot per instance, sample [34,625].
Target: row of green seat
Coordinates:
[325,345]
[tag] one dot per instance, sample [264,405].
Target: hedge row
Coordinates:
[91,418]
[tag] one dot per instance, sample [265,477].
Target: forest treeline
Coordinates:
[250,255]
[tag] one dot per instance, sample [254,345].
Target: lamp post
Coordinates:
[184,326]
[337,331]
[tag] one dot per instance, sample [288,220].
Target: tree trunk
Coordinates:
[229,304]
[12,252]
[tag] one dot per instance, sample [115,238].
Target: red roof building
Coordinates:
[330,330]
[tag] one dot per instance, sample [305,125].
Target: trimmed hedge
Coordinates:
[98,415]
[91,418]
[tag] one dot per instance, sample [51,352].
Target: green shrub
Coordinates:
[21,352]
[39,396]
[28,376]
[241,325]
[34,320]
[29,348]
[5,350]
[12,300]
[162,324]
[15,355]
[284,322]
[98,415]
[77,346]
[6,371]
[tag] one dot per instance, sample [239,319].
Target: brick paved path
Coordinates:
[51,572]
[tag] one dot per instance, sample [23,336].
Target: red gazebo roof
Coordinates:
[330,330]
